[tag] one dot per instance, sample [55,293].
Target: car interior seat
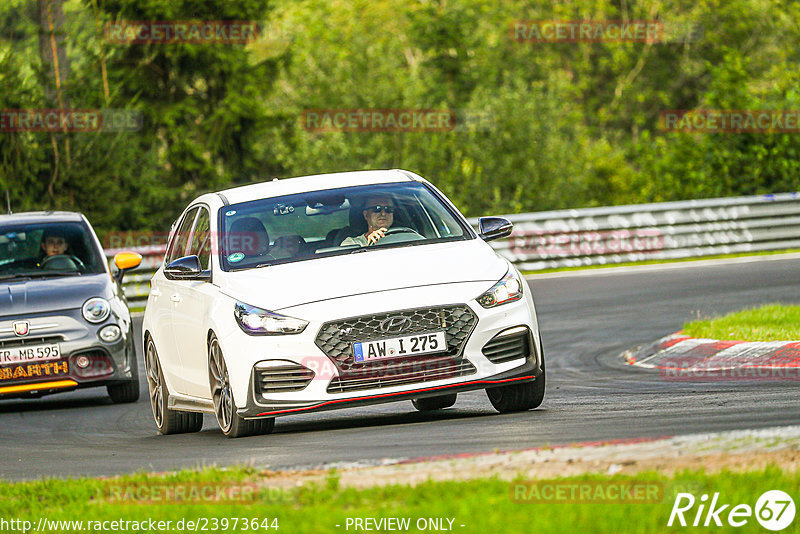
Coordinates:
[248,235]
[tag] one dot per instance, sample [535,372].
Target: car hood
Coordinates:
[304,282]
[23,297]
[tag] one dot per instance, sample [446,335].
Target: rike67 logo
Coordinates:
[774,510]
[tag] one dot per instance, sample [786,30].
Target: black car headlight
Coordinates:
[259,322]
[508,289]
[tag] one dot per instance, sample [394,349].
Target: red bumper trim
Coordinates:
[410,392]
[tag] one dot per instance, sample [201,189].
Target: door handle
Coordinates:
[175,298]
[155,292]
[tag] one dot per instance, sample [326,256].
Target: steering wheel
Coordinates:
[63,262]
[400,230]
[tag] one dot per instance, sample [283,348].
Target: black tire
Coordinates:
[128,391]
[167,421]
[231,424]
[519,397]
[429,404]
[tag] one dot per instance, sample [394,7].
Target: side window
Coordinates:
[177,247]
[201,239]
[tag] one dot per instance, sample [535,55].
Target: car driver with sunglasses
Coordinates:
[379,214]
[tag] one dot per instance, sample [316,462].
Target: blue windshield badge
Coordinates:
[236,257]
[229,213]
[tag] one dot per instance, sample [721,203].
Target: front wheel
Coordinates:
[127,391]
[229,421]
[518,397]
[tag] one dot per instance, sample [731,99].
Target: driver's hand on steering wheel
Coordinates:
[374,236]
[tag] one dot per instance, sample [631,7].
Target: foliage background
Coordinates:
[559,125]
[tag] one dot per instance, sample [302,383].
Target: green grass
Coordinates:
[658,262]
[773,322]
[483,505]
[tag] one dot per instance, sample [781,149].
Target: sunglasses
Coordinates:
[378,209]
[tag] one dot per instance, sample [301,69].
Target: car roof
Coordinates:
[35,217]
[317,182]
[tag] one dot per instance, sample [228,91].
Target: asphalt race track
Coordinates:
[585,320]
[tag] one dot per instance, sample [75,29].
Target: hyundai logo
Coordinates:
[395,324]
[21,328]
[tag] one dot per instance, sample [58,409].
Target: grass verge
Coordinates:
[480,505]
[773,322]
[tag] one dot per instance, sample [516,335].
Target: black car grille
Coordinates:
[507,347]
[283,378]
[22,341]
[401,373]
[336,340]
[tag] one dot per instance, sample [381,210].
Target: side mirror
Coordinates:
[126,261]
[494,228]
[187,268]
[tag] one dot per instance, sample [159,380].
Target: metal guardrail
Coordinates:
[641,232]
[610,235]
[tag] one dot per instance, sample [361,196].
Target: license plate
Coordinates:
[30,353]
[400,346]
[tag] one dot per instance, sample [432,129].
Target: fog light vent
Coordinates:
[281,376]
[92,364]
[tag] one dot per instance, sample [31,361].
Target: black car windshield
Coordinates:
[337,221]
[37,250]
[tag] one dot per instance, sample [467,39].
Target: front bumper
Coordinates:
[528,372]
[109,362]
[330,380]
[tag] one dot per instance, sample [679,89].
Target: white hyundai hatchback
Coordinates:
[334,291]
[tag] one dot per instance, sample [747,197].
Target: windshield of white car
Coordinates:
[317,224]
[43,250]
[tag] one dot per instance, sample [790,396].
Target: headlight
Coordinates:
[110,333]
[96,310]
[508,289]
[258,322]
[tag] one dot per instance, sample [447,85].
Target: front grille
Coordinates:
[22,341]
[280,379]
[402,373]
[507,347]
[336,338]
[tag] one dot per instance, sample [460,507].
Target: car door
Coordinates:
[190,312]
[163,295]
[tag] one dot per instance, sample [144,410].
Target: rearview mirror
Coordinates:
[187,268]
[494,228]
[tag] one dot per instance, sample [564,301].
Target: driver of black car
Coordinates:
[379,214]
